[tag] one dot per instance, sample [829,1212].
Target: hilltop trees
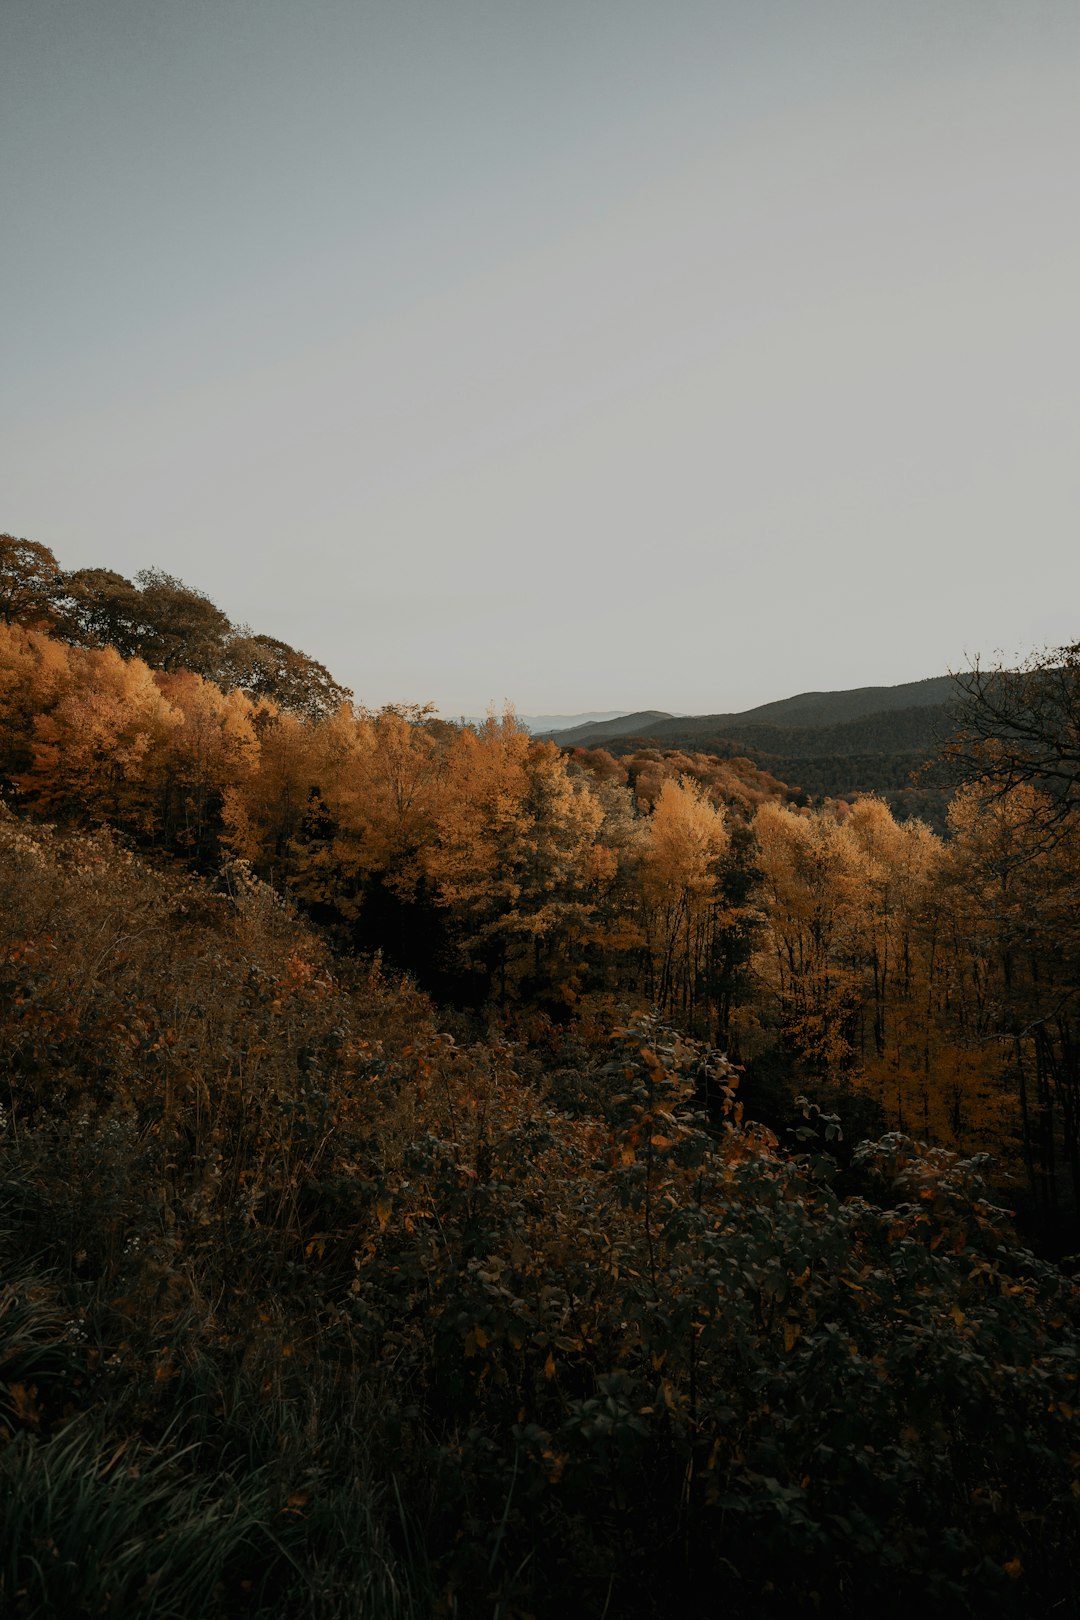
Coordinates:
[157,618]
[264,667]
[1020,906]
[1017,825]
[171,626]
[29,582]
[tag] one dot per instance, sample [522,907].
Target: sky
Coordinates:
[576,354]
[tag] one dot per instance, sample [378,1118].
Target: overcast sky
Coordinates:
[577,353]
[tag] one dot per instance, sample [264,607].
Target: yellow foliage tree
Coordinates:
[513,836]
[686,839]
[102,748]
[212,749]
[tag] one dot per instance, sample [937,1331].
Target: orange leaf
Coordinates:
[24,1404]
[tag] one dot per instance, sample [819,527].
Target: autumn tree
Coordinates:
[1024,982]
[510,856]
[361,850]
[101,750]
[29,582]
[211,750]
[892,863]
[263,809]
[680,884]
[101,608]
[264,667]
[809,953]
[34,670]
[1017,727]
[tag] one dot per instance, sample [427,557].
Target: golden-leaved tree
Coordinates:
[33,672]
[510,857]
[808,960]
[1016,926]
[681,893]
[102,748]
[211,750]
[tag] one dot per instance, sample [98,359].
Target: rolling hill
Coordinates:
[829,744]
[624,725]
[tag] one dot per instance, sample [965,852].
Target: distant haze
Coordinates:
[552,722]
[652,355]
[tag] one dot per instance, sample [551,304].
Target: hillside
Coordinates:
[829,744]
[625,725]
[804,709]
[320,1298]
[835,708]
[309,1309]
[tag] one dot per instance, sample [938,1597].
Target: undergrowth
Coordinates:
[308,1308]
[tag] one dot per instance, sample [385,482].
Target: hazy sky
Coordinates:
[581,353]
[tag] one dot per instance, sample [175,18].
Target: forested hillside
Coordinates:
[442,1172]
[806,709]
[826,744]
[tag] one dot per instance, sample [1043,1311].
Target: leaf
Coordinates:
[24,1403]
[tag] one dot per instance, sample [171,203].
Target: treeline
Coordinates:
[159,619]
[916,982]
[499,857]
[920,983]
[886,753]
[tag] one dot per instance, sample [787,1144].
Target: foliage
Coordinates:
[29,581]
[1021,727]
[924,980]
[334,1312]
[340,1306]
[165,623]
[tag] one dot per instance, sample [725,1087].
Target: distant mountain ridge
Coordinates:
[870,739]
[542,725]
[620,725]
[803,710]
